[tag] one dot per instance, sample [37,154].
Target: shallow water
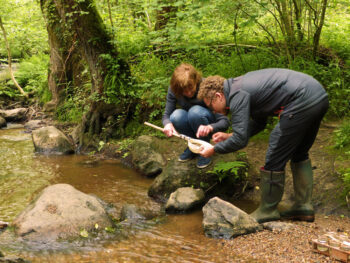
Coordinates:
[180,238]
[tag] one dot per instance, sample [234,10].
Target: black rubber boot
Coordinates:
[271,187]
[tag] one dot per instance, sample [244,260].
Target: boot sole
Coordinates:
[306,218]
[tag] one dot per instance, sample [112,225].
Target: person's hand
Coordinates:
[207,150]
[220,136]
[204,130]
[169,130]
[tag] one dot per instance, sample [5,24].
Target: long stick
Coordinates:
[161,129]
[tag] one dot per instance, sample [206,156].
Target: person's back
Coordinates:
[273,88]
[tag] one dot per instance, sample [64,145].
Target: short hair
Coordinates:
[209,86]
[185,76]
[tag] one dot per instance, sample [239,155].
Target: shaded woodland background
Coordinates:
[104,66]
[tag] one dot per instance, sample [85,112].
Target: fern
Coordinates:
[226,169]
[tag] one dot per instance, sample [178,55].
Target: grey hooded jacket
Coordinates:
[256,95]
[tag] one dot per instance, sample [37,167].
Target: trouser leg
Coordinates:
[292,139]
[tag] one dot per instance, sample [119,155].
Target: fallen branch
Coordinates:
[9,61]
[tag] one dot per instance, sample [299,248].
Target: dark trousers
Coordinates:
[293,136]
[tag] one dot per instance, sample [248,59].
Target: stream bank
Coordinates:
[181,237]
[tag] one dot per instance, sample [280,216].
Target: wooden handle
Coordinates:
[154,126]
[161,129]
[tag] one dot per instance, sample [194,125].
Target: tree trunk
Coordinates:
[317,34]
[64,54]
[82,19]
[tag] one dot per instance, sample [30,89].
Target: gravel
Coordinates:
[289,245]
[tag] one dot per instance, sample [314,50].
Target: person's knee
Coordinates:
[198,113]
[297,158]
[178,117]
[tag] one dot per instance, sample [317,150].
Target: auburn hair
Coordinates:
[185,76]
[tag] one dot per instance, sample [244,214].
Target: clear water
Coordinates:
[23,174]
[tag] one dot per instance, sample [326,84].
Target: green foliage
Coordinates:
[342,136]
[32,76]
[25,28]
[202,33]
[123,145]
[118,84]
[346,180]
[335,80]
[8,91]
[72,110]
[228,169]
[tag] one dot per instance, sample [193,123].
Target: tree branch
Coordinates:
[9,61]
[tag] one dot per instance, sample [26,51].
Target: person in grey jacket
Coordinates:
[300,102]
[193,117]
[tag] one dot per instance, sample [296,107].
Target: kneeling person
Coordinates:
[193,117]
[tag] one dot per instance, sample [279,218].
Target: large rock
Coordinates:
[162,155]
[62,212]
[34,124]
[176,175]
[223,220]
[145,156]
[14,114]
[184,199]
[2,122]
[50,140]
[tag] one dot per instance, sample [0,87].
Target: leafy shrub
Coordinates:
[342,136]
[333,78]
[71,110]
[32,76]
[8,91]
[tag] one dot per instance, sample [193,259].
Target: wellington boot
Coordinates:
[302,208]
[271,187]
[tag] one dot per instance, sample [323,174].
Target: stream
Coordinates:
[23,174]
